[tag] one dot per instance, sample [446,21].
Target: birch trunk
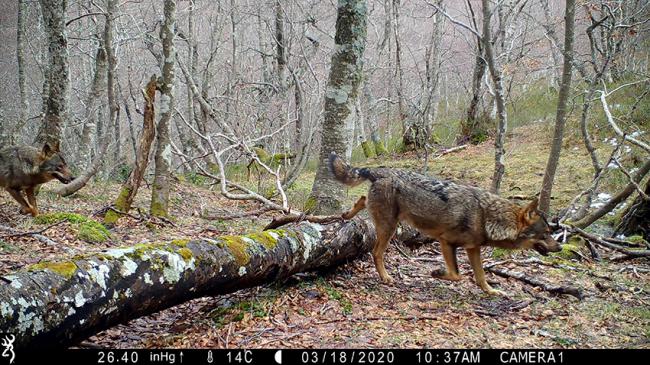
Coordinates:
[502,117]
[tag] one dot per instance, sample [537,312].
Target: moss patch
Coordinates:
[65,269]
[265,238]
[186,253]
[239,249]
[87,229]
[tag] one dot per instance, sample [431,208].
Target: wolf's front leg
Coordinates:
[474,255]
[25,208]
[449,254]
[32,200]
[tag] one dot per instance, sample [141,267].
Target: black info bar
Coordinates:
[323,356]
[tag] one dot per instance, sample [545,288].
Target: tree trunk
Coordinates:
[549,28]
[89,130]
[163,159]
[342,88]
[113,107]
[130,188]
[560,117]
[20,57]
[58,71]
[280,46]
[93,293]
[502,117]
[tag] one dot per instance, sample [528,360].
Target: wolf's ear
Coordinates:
[529,212]
[50,149]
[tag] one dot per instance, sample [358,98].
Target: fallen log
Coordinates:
[56,304]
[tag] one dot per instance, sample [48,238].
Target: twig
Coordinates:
[39,237]
[31,233]
[615,126]
[377,318]
[551,288]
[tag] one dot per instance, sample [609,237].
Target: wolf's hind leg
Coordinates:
[449,254]
[474,255]
[385,230]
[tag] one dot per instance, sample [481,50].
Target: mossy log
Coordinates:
[57,304]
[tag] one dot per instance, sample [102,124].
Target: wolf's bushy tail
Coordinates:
[347,174]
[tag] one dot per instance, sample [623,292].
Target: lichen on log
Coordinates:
[55,304]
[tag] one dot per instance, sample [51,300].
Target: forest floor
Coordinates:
[348,306]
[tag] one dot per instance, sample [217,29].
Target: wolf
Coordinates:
[24,168]
[455,214]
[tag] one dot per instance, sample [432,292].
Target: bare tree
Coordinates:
[560,117]
[342,89]
[20,58]
[58,72]
[502,116]
[163,157]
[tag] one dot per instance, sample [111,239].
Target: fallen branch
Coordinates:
[291,218]
[601,241]
[450,150]
[237,215]
[551,288]
[14,232]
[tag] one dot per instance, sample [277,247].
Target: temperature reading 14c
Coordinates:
[240,357]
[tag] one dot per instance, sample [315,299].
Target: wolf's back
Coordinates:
[347,174]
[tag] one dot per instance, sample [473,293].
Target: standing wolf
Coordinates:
[24,168]
[456,215]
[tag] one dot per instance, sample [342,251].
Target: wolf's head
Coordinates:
[536,232]
[53,165]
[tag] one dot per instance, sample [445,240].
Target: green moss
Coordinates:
[52,218]
[368,152]
[65,268]
[637,239]
[380,150]
[121,204]
[186,253]
[93,232]
[180,242]
[571,248]
[87,229]
[310,204]
[239,249]
[265,238]
[158,209]
[500,253]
